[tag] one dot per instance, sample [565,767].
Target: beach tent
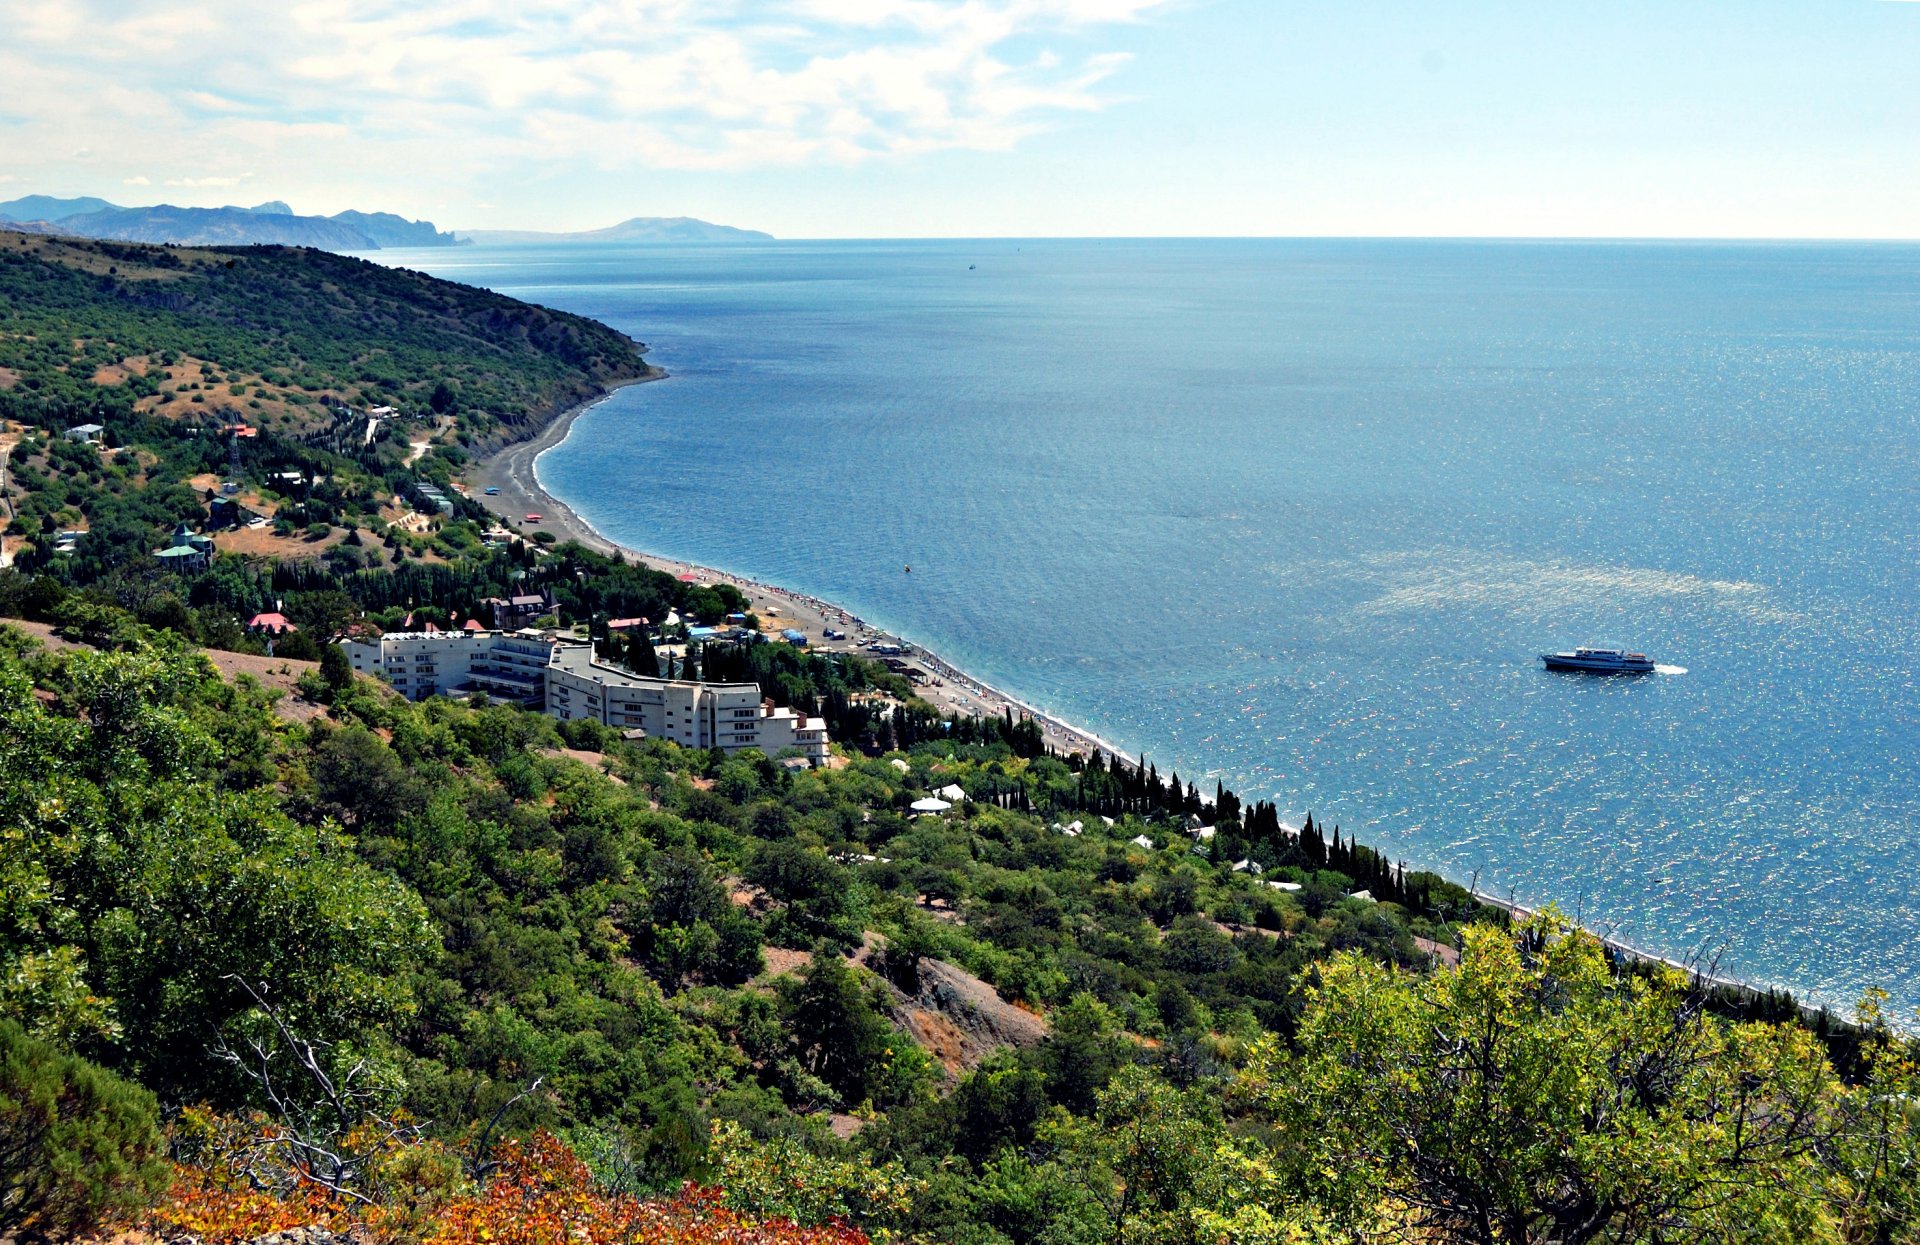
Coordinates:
[930,806]
[1141,840]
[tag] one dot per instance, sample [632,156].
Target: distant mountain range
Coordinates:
[275,223]
[639,229]
[271,223]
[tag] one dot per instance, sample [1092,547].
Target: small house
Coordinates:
[187,550]
[512,613]
[85,432]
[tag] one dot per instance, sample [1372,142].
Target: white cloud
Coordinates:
[216,183]
[139,180]
[339,85]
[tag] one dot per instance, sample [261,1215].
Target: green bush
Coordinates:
[78,1145]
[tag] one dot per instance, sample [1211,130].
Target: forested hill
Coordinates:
[340,956]
[109,332]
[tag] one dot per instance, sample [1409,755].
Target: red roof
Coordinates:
[473,624]
[689,579]
[625,624]
[270,622]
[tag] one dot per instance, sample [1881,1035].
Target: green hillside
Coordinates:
[107,332]
[972,1027]
[248,376]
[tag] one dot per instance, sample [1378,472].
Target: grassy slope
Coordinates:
[289,327]
[167,346]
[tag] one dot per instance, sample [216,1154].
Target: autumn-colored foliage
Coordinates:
[535,1192]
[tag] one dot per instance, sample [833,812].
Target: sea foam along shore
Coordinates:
[514,471]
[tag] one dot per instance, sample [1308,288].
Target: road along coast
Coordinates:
[512,470]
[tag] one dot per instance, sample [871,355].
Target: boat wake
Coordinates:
[1659,669]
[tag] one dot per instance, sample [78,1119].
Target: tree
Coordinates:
[1145,1160]
[78,1145]
[838,1031]
[361,780]
[1536,1094]
[1086,1048]
[1874,1150]
[335,670]
[641,657]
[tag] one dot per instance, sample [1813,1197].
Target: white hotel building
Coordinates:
[510,666]
[538,671]
[729,716]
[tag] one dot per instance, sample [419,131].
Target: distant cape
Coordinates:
[271,223]
[639,229]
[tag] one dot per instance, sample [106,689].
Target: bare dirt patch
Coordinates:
[261,542]
[118,373]
[1440,951]
[959,1018]
[592,760]
[783,960]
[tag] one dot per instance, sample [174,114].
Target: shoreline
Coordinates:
[513,470]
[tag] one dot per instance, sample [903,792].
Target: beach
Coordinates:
[948,688]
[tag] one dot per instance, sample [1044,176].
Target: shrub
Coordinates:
[78,1145]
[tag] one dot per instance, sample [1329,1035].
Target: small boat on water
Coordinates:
[1600,661]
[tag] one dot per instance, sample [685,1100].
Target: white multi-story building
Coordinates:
[509,666]
[728,716]
[538,671]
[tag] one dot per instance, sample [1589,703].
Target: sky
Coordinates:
[981,118]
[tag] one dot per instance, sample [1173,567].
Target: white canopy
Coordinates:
[952,792]
[931,805]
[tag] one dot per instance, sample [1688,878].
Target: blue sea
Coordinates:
[1300,515]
